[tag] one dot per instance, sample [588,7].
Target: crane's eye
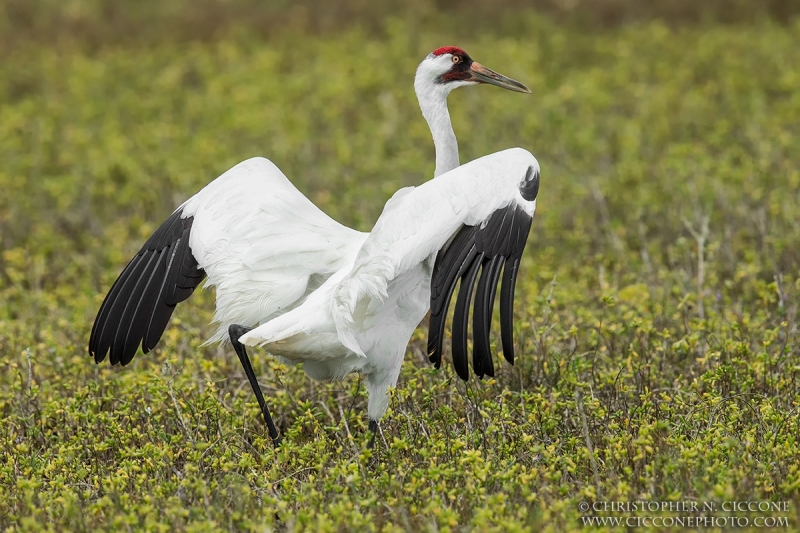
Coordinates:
[456,60]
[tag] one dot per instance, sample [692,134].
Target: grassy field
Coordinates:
[657,316]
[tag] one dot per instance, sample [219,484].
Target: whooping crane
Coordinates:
[310,290]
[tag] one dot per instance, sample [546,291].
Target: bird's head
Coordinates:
[449,67]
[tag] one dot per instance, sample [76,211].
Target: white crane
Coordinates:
[335,299]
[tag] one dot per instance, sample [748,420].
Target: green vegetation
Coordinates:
[657,315]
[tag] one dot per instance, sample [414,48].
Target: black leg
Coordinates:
[373,430]
[236,331]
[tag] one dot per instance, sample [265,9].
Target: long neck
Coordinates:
[433,103]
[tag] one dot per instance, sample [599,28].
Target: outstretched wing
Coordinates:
[473,219]
[260,241]
[495,244]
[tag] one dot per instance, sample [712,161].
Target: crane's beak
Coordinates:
[481,74]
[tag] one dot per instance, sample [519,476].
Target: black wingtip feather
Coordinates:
[482,363]
[461,318]
[480,336]
[451,270]
[177,294]
[112,326]
[449,266]
[507,308]
[130,331]
[96,347]
[162,310]
[436,339]
[501,239]
[495,273]
[140,302]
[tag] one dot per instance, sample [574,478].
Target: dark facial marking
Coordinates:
[459,71]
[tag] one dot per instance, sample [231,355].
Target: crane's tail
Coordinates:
[276,330]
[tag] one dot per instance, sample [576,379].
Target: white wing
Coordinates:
[478,214]
[261,243]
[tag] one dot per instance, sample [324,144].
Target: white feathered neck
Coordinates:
[432,98]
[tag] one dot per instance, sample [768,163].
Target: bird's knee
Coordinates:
[236,330]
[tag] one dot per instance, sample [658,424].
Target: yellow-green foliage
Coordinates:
[675,357]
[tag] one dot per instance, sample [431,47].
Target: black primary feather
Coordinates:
[461,318]
[493,247]
[482,363]
[140,302]
[451,272]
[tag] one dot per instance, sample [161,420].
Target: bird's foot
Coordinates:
[373,432]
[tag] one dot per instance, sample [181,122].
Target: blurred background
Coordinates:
[106,22]
[663,257]
[128,107]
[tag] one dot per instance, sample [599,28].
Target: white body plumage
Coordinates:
[264,256]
